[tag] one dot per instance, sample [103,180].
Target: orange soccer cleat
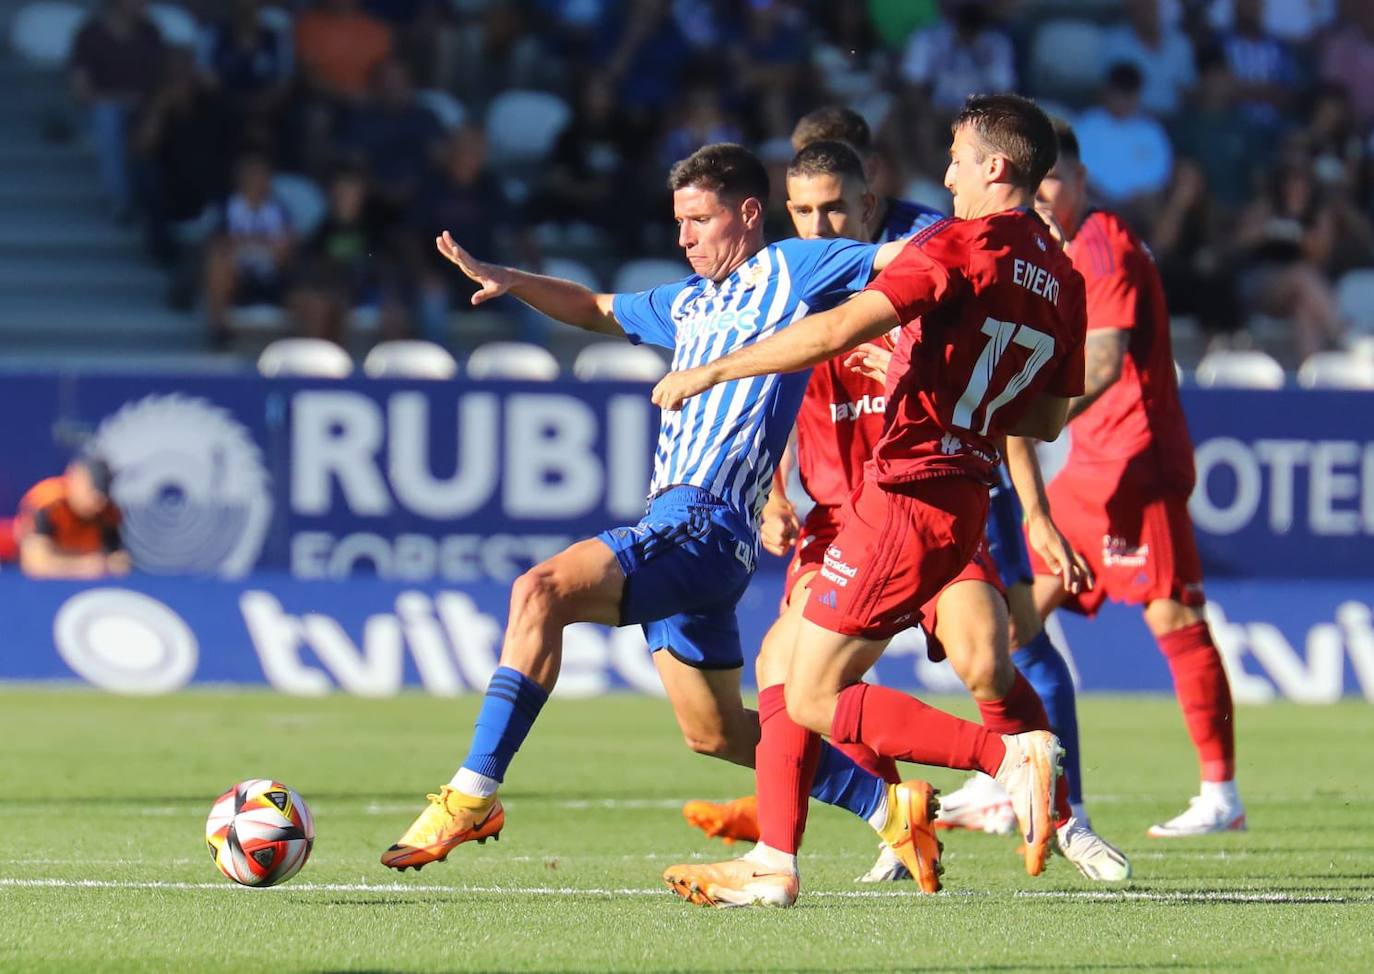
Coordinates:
[739,882]
[910,831]
[450,819]
[733,821]
[1028,774]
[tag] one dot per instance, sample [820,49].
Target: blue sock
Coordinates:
[508,711]
[841,782]
[1046,670]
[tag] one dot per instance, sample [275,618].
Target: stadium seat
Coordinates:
[571,270]
[1240,369]
[443,106]
[1066,57]
[1355,296]
[259,318]
[647,272]
[309,357]
[523,125]
[43,32]
[406,359]
[1336,370]
[512,360]
[277,19]
[303,200]
[616,360]
[177,26]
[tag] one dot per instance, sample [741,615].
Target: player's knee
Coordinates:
[712,742]
[810,708]
[536,594]
[1164,616]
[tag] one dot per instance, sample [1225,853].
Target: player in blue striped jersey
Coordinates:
[680,571]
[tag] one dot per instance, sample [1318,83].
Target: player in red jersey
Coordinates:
[991,344]
[1122,498]
[838,426]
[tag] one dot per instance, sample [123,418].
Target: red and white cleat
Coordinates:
[979,805]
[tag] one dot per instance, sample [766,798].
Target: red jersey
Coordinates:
[1140,414]
[840,421]
[993,316]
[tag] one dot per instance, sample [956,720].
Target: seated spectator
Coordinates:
[1199,277]
[1231,146]
[247,261]
[180,152]
[1127,152]
[1347,57]
[646,54]
[339,46]
[963,54]
[700,119]
[494,53]
[395,134]
[1163,55]
[252,65]
[1292,21]
[1339,149]
[69,528]
[849,54]
[115,63]
[594,166]
[770,63]
[1264,67]
[345,265]
[1287,238]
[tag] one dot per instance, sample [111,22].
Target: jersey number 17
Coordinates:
[1001,336]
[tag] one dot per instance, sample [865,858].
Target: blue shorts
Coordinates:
[686,565]
[1006,543]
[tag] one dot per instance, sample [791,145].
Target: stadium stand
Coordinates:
[313,357]
[1336,370]
[613,360]
[512,360]
[409,359]
[1240,368]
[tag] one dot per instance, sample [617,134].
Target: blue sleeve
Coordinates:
[825,270]
[646,316]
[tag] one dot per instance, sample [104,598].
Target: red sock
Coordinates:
[1205,698]
[785,764]
[901,727]
[1019,711]
[871,761]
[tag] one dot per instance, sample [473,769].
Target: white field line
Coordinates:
[1147,896]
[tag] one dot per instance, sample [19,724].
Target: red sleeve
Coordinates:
[1109,272]
[926,273]
[1068,380]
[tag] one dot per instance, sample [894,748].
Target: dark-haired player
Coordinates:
[680,571]
[992,323]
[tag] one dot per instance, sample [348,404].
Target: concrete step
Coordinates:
[98,281]
[110,326]
[66,240]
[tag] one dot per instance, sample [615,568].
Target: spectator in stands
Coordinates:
[1287,238]
[1163,55]
[247,262]
[462,192]
[700,119]
[69,528]
[770,64]
[1347,57]
[339,46]
[1293,21]
[962,54]
[494,53]
[395,135]
[1264,67]
[1127,152]
[252,64]
[1340,151]
[849,54]
[116,61]
[646,53]
[1232,147]
[1199,277]
[594,166]
[345,265]
[180,152]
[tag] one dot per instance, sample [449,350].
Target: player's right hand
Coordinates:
[1059,556]
[870,360]
[494,280]
[779,527]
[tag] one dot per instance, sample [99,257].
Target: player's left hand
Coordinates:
[870,360]
[675,388]
[1051,545]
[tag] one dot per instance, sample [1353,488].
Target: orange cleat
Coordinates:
[910,831]
[738,882]
[1028,774]
[733,821]
[451,819]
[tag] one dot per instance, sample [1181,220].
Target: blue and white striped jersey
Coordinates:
[904,218]
[727,441]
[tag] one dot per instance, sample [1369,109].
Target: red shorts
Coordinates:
[895,551]
[818,532]
[1136,535]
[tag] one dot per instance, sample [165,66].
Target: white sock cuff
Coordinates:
[770,858]
[1223,791]
[474,784]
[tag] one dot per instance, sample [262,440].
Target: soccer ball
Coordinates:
[260,832]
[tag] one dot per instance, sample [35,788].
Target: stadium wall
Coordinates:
[360,535]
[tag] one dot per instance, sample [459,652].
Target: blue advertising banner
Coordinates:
[1312,642]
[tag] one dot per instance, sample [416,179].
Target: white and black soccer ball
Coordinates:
[260,832]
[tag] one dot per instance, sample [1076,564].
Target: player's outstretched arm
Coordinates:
[565,301]
[810,341]
[1041,531]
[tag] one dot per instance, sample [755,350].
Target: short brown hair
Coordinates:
[1068,140]
[724,168]
[829,158]
[1014,127]
[833,124]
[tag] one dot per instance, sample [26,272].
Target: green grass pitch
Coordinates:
[103,865]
